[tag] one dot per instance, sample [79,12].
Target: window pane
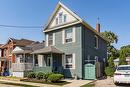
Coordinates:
[96,42]
[68,35]
[65,18]
[60,17]
[56,20]
[69,58]
[50,39]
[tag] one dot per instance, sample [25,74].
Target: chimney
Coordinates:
[98,27]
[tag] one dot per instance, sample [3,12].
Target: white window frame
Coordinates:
[47,39]
[61,19]
[97,42]
[73,61]
[73,36]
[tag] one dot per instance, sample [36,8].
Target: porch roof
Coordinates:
[49,49]
[22,50]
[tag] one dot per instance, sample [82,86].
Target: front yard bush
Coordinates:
[31,75]
[55,77]
[40,75]
[46,75]
[109,71]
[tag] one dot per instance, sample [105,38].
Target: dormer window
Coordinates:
[65,18]
[61,18]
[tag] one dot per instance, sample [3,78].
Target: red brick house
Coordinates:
[7,58]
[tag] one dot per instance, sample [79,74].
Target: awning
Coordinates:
[49,49]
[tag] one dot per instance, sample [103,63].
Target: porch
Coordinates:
[21,67]
[51,60]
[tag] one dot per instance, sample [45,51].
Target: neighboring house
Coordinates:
[7,55]
[71,46]
[116,61]
[25,61]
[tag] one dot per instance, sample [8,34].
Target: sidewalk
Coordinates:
[74,83]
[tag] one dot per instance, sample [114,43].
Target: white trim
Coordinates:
[63,60]
[73,33]
[46,39]
[53,39]
[66,8]
[62,26]
[73,61]
[63,36]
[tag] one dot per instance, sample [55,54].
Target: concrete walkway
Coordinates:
[74,83]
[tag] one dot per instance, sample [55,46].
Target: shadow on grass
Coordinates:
[17,84]
[88,85]
[60,83]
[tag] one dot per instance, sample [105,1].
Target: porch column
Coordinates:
[24,57]
[63,60]
[51,59]
[33,60]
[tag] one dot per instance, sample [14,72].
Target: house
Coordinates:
[25,61]
[72,46]
[7,58]
[116,61]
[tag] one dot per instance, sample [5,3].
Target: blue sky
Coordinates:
[114,15]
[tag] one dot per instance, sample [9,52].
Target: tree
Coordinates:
[126,50]
[112,51]
[112,38]
[122,58]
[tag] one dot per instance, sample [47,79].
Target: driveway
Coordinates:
[108,83]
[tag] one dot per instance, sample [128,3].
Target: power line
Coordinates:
[14,26]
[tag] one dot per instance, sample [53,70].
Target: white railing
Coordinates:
[22,66]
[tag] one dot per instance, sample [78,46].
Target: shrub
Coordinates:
[31,75]
[109,71]
[46,75]
[55,77]
[40,75]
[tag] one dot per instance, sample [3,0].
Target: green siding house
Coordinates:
[71,44]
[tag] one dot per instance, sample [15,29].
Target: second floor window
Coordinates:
[50,39]
[96,42]
[68,35]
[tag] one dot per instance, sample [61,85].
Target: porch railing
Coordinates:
[22,66]
[43,69]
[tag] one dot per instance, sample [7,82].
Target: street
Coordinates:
[108,83]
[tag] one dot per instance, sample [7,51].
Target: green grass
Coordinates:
[61,83]
[89,85]
[17,84]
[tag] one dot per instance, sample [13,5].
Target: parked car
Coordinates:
[122,74]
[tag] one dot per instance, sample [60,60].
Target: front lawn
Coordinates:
[89,85]
[60,83]
[16,84]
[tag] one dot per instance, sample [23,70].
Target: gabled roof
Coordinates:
[56,9]
[29,48]
[75,15]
